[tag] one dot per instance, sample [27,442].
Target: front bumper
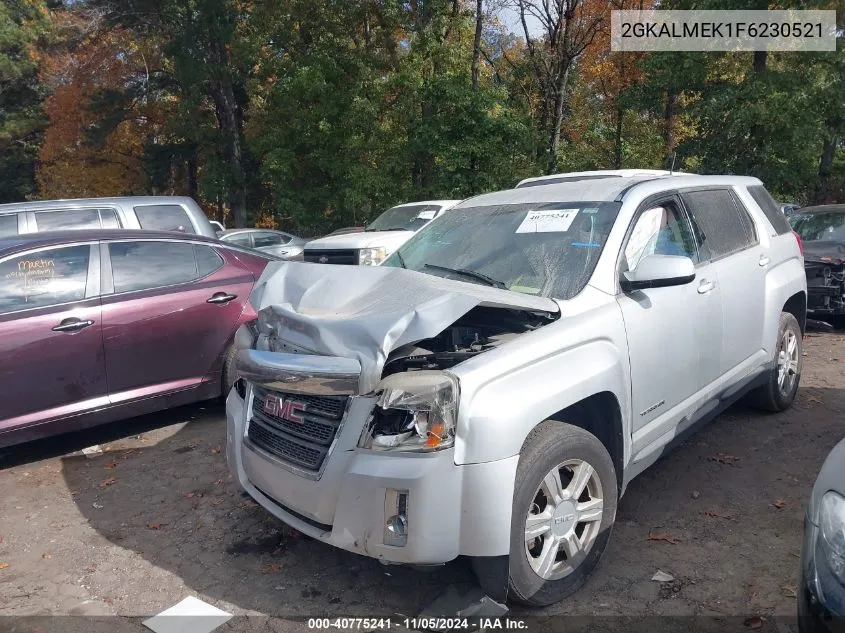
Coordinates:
[452,509]
[821,597]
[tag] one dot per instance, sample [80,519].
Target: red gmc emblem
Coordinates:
[287,409]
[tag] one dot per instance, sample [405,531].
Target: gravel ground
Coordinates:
[157,518]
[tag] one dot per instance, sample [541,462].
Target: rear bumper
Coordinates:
[452,509]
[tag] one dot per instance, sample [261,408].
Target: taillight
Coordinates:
[800,243]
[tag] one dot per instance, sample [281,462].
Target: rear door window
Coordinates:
[67,219]
[44,278]
[268,239]
[771,208]
[725,227]
[164,217]
[147,265]
[241,239]
[8,225]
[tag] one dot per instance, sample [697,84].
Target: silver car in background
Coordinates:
[278,243]
[154,213]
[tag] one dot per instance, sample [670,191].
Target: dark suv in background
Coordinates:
[155,213]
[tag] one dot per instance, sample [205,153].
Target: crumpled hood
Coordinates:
[824,250]
[365,312]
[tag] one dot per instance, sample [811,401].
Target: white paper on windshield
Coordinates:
[547,221]
[427,215]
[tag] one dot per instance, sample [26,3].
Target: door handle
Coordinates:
[221,298]
[764,260]
[706,286]
[72,325]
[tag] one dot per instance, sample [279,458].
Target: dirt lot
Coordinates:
[156,518]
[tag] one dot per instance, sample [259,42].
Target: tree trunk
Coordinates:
[759,61]
[828,153]
[225,107]
[192,175]
[557,122]
[476,47]
[669,117]
[617,157]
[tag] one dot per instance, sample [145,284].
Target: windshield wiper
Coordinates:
[400,259]
[470,273]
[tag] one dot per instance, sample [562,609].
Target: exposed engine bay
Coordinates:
[479,330]
[824,264]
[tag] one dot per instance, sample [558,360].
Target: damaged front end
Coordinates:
[327,336]
[824,263]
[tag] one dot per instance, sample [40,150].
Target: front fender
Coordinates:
[506,392]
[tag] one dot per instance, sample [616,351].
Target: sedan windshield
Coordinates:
[405,218]
[547,249]
[826,227]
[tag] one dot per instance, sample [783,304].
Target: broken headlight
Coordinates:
[415,411]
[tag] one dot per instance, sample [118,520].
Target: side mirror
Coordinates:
[659,271]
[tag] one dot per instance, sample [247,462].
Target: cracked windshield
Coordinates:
[548,249]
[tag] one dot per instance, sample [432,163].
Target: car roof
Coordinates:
[250,230]
[593,175]
[26,241]
[441,203]
[94,202]
[822,208]
[600,190]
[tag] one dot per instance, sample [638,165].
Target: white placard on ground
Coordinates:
[192,615]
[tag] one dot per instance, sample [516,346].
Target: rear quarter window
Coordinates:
[8,224]
[164,217]
[770,208]
[725,226]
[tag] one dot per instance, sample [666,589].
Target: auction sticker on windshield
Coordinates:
[547,221]
[426,215]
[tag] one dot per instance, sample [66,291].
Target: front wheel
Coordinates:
[781,386]
[564,506]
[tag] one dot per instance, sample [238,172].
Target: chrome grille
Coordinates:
[304,443]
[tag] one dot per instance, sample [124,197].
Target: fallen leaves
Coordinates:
[662,576]
[663,536]
[215,450]
[271,568]
[107,482]
[754,622]
[779,504]
[218,482]
[717,515]
[4,565]
[249,503]
[191,495]
[156,526]
[790,591]
[724,458]
[46,556]
[111,465]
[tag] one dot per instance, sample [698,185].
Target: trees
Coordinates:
[24,26]
[317,113]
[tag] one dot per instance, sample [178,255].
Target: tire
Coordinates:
[229,374]
[774,396]
[556,447]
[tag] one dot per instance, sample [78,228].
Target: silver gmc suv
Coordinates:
[492,388]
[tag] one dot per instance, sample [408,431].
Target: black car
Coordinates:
[821,597]
[822,230]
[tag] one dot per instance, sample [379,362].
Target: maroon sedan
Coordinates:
[96,326]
